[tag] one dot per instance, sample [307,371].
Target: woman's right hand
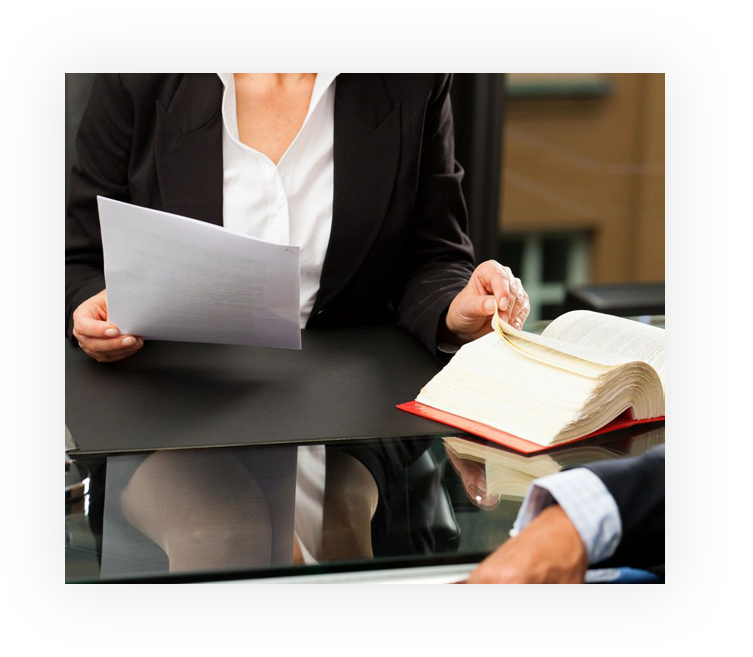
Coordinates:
[97,337]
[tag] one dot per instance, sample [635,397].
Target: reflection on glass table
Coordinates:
[366,506]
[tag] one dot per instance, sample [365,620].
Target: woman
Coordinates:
[357,170]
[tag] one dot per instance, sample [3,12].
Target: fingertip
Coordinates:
[503,301]
[112,332]
[134,342]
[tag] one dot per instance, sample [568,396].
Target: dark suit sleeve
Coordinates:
[440,255]
[103,147]
[637,485]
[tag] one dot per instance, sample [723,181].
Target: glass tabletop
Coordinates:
[288,511]
[259,511]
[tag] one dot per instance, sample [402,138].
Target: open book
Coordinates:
[509,475]
[586,374]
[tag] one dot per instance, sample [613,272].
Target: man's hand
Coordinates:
[548,551]
[490,286]
[97,337]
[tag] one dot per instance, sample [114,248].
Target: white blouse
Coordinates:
[291,202]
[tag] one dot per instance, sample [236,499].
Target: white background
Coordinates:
[704,50]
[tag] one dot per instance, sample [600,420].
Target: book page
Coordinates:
[581,359]
[621,337]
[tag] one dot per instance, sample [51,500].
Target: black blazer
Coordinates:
[398,249]
[637,485]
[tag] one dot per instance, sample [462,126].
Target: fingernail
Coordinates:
[489,306]
[503,303]
[517,325]
[111,332]
[127,342]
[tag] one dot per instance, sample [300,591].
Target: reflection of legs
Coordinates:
[350,500]
[202,508]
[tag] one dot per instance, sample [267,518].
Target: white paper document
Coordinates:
[173,278]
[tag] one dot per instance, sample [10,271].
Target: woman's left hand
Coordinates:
[490,286]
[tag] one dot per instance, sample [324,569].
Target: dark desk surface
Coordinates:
[342,384]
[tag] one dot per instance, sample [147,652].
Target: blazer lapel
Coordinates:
[189,149]
[366,158]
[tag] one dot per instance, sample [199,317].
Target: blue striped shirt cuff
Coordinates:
[586,501]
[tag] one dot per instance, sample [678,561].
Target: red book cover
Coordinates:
[507,439]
